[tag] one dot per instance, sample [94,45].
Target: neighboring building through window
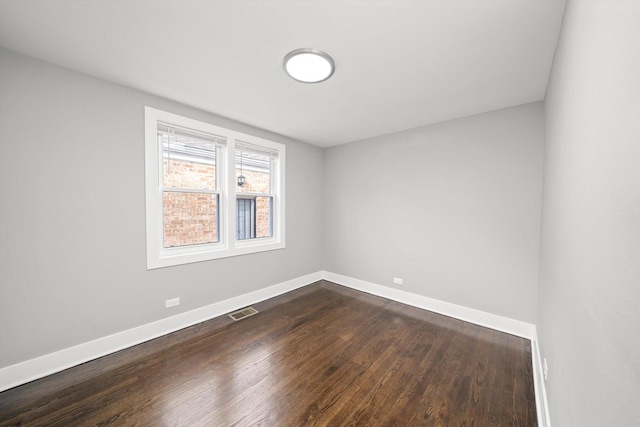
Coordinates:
[246,222]
[197,193]
[190,194]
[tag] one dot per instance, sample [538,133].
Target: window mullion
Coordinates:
[231,225]
[221,167]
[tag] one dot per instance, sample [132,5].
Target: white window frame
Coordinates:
[157,255]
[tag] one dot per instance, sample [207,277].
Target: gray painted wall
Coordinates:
[452,208]
[589,292]
[72,258]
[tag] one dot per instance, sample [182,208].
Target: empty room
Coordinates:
[320,213]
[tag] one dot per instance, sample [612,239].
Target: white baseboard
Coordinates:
[24,372]
[482,318]
[499,323]
[542,404]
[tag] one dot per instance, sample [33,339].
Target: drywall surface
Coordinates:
[589,292]
[453,209]
[72,231]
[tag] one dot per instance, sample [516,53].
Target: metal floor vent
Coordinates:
[243,314]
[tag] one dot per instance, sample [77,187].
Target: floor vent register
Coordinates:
[243,314]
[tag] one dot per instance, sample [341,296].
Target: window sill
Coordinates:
[212,252]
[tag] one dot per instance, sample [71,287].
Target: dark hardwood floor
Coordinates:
[320,355]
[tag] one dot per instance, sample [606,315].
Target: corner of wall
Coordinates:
[481,318]
[542,404]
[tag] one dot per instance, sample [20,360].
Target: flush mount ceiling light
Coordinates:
[308,65]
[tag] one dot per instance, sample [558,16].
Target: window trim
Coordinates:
[227,245]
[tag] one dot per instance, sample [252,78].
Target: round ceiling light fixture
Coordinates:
[308,65]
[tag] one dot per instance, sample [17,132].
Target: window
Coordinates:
[254,190]
[204,203]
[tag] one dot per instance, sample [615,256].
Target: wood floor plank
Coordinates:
[318,356]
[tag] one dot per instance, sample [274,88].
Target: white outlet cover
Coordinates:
[397,280]
[172,302]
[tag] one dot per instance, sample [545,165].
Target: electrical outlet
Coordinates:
[171,302]
[397,280]
[545,368]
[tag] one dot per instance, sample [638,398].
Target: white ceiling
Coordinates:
[400,64]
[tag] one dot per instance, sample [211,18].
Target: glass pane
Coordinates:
[264,217]
[190,218]
[256,171]
[188,162]
[254,218]
[246,219]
